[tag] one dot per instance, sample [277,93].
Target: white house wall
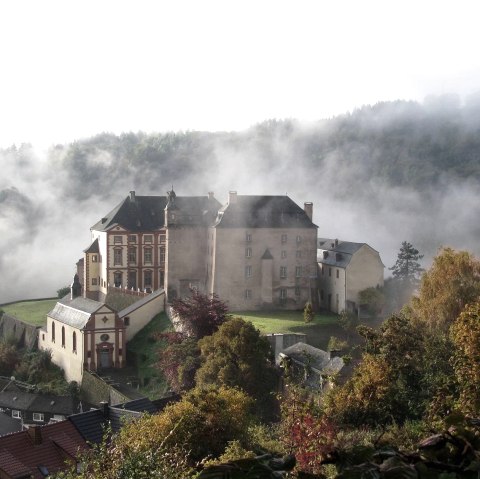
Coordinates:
[64,356]
[365,270]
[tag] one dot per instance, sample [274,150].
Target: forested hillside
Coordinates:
[382,174]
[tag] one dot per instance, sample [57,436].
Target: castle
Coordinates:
[253,252]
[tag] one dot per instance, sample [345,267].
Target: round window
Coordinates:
[104,337]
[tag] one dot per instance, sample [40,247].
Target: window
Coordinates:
[284,254]
[299,239]
[132,255]
[338,274]
[329,271]
[94,281]
[126,321]
[283,293]
[16,414]
[147,255]
[117,240]
[53,332]
[89,354]
[284,238]
[117,279]
[162,254]
[63,336]
[163,238]
[248,237]
[297,291]
[147,276]
[148,238]
[132,238]
[74,342]
[248,252]
[94,258]
[248,271]
[248,294]
[323,270]
[298,253]
[117,257]
[283,271]
[298,271]
[321,294]
[38,416]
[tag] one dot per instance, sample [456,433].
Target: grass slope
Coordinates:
[31,312]
[318,331]
[144,349]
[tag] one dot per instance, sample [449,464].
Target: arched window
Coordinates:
[53,331]
[63,336]
[74,340]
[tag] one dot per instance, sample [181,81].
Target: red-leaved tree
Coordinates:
[200,315]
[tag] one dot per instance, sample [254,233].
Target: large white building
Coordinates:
[345,269]
[253,252]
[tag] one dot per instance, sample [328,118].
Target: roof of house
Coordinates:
[22,454]
[334,252]
[44,403]
[93,248]
[251,211]
[317,359]
[147,213]
[9,424]
[75,312]
[90,424]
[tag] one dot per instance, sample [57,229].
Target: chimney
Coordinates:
[308,208]
[35,434]
[334,353]
[132,196]
[104,409]
[336,243]
[210,195]
[232,197]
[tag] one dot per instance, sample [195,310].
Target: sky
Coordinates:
[72,69]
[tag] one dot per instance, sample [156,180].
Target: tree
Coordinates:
[203,423]
[238,356]
[373,298]
[308,313]
[465,333]
[199,314]
[407,268]
[63,291]
[179,362]
[9,358]
[446,288]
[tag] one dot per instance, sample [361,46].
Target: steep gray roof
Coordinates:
[93,248]
[75,312]
[316,358]
[337,253]
[250,211]
[147,213]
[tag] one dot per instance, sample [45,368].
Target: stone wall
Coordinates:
[25,334]
[95,390]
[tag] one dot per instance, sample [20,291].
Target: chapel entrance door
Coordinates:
[105,358]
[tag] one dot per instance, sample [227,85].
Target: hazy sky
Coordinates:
[71,69]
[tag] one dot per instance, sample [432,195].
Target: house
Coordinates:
[312,366]
[83,334]
[345,269]
[30,409]
[261,253]
[39,451]
[255,251]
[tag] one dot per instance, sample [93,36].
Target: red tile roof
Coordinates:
[56,444]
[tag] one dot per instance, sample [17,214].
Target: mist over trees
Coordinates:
[376,175]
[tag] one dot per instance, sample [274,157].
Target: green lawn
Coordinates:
[31,312]
[145,349]
[318,331]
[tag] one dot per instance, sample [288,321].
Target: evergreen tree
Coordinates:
[407,267]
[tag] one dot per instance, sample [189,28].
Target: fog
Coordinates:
[49,200]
